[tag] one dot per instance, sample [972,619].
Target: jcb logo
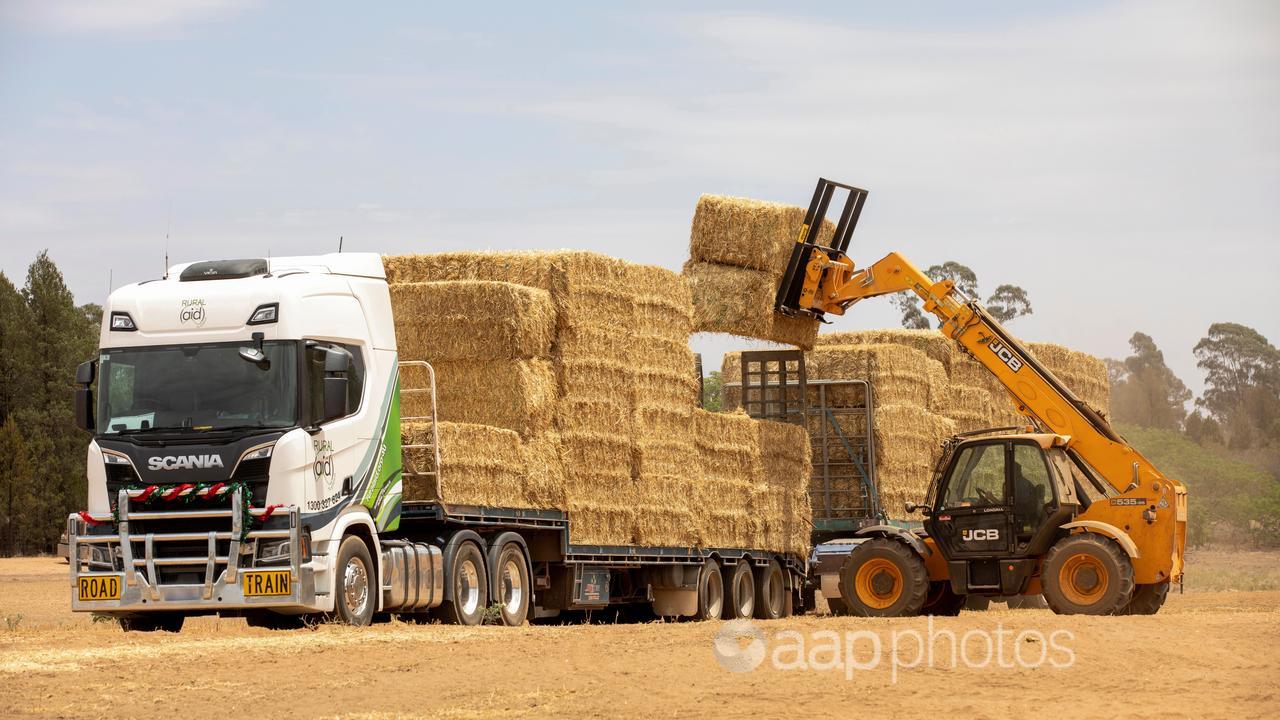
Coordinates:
[1006,355]
[980,535]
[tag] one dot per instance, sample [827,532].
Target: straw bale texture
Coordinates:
[1084,374]
[516,395]
[899,374]
[464,320]
[747,233]
[480,465]
[930,342]
[740,302]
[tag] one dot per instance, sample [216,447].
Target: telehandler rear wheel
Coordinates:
[1087,574]
[1147,599]
[883,578]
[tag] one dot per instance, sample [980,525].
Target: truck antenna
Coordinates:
[167,223]
[339,243]
[111,280]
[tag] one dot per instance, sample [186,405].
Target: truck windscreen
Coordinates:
[197,387]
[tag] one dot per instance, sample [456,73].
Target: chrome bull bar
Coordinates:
[142,590]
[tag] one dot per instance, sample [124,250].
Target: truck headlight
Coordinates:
[273,550]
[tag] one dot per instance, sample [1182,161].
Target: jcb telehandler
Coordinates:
[1063,507]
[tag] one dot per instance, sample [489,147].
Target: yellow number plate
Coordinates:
[266,583]
[98,587]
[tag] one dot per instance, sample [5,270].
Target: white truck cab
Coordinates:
[246,420]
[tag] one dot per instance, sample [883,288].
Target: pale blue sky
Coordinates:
[1121,161]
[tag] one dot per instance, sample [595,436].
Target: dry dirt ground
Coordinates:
[1210,653]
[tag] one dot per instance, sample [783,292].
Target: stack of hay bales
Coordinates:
[738,251]
[580,365]
[926,388]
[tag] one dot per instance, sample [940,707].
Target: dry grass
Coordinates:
[469,319]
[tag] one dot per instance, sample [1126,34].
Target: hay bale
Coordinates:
[899,374]
[747,233]
[465,320]
[1084,374]
[930,342]
[783,507]
[740,302]
[545,483]
[479,465]
[908,445]
[515,395]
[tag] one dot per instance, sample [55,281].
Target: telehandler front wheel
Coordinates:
[1087,574]
[883,578]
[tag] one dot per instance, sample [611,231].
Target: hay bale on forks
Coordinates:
[746,233]
[739,301]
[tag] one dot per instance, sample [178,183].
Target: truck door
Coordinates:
[973,516]
[335,445]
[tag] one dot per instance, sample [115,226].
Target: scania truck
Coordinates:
[246,460]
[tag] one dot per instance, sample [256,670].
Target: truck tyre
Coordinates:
[710,591]
[511,578]
[741,593]
[152,622]
[771,592]
[883,578]
[468,585]
[942,601]
[1147,599]
[356,585]
[1087,574]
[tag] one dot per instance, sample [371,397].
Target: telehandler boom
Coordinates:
[1070,510]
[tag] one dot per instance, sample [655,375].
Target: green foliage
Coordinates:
[1144,391]
[1242,384]
[1228,498]
[711,386]
[1006,303]
[44,335]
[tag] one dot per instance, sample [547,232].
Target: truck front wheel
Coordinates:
[356,582]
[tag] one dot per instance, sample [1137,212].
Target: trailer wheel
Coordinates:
[741,593]
[1087,574]
[512,582]
[771,592]
[1147,599]
[883,578]
[152,622]
[469,585]
[354,592]
[710,591]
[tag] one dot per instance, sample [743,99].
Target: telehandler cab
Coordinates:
[1064,507]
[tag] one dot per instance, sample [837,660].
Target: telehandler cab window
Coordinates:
[978,478]
[1031,488]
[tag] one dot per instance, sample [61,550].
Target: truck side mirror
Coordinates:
[336,364]
[85,374]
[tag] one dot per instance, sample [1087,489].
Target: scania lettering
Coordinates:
[246,460]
